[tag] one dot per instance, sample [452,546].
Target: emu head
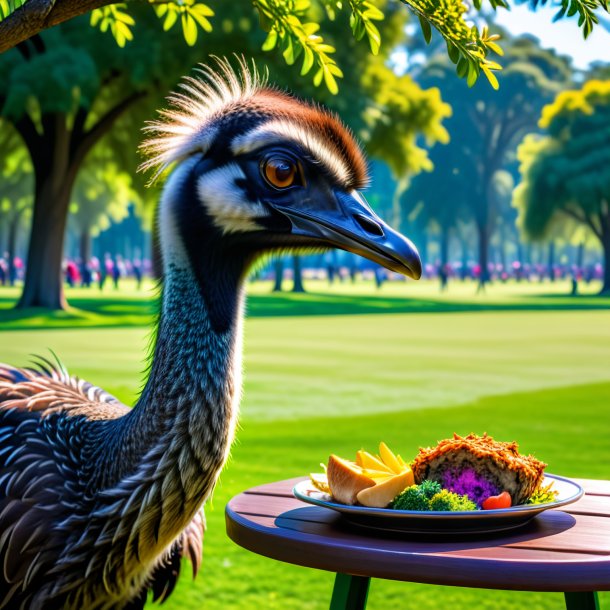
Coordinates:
[257,171]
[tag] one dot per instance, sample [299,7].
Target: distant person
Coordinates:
[443,276]
[85,274]
[380,276]
[137,272]
[106,269]
[71,273]
[118,270]
[3,271]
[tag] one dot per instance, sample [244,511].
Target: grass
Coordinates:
[520,362]
[130,307]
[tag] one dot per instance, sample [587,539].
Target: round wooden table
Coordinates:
[560,550]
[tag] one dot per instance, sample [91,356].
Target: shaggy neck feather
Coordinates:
[175,441]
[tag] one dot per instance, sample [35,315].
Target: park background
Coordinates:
[506,193]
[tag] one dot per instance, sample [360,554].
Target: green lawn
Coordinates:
[520,362]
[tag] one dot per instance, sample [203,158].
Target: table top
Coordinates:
[560,550]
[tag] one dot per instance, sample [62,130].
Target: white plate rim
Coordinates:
[300,489]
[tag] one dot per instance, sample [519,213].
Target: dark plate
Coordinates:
[435,522]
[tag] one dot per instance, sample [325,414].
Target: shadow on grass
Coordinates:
[96,311]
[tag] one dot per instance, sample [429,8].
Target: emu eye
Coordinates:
[280,172]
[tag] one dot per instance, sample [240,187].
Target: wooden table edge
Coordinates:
[591,574]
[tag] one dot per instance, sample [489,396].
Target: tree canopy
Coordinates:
[485,129]
[293,26]
[565,172]
[73,88]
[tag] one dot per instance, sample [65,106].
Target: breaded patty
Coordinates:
[480,467]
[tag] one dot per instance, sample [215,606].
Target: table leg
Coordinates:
[582,600]
[350,592]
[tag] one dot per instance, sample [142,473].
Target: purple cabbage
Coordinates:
[467,481]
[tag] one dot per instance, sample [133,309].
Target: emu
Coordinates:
[99,502]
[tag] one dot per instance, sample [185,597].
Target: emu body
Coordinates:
[99,502]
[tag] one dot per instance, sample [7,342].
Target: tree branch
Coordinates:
[581,218]
[37,15]
[27,130]
[78,126]
[89,138]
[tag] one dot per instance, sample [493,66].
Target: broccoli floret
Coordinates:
[411,499]
[416,497]
[543,495]
[429,488]
[446,500]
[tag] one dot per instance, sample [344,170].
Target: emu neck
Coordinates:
[174,442]
[196,368]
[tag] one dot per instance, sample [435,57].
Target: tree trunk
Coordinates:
[279,275]
[444,251]
[551,261]
[13,229]
[43,279]
[297,275]
[580,256]
[464,271]
[483,254]
[606,247]
[57,155]
[85,245]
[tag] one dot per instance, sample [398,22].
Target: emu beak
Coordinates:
[350,224]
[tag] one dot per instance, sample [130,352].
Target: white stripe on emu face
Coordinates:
[226,203]
[268,133]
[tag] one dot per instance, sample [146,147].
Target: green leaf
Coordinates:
[372,12]
[462,67]
[317,79]
[331,83]
[453,52]
[472,74]
[497,49]
[288,52]
[271,40]
[172,17]
[308,60]
[96,15]
[491,77]
[374,37]
[199,17]
[189,29]
[426,29]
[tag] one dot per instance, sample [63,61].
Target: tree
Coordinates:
[62,100]
[445,203]
[82,86]
[102,194]
[565,172]
[15,193]
[486,127]
[292,26]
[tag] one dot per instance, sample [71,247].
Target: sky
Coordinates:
[564,35]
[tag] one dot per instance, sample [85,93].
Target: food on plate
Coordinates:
[346,479]
[446,500]
[384,491]
[429,495]
[320,482]
[459,474]
[502,500]
[543,495]
[385,475]
[480,467]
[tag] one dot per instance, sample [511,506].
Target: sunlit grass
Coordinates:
[131,307]
[521,362]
